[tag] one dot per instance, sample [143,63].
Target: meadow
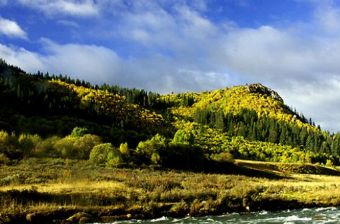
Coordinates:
[42,190]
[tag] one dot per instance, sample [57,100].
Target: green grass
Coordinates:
[56,189]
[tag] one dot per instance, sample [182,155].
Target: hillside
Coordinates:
[50,116]
[44,105]
[251,122]
[73,152]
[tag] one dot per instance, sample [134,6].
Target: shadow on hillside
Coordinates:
[232,168]
[227,168]
[296,168]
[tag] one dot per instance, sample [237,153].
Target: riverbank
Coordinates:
[71,191]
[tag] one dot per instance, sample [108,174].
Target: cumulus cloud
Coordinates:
[302,65]
[100,65]
[81,8]
[305,71]
[318,100]
[180,49]
[20,57]
[300,60]
[11,29]
[89,62]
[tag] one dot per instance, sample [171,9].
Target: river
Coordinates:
[314,215]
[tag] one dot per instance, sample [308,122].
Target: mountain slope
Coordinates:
[256,97]
[28,99]
[248,122]
[254,112]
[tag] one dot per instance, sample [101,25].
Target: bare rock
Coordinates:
[80,217]
[261,89]
[30,217]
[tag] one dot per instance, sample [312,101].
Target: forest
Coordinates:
[55,116]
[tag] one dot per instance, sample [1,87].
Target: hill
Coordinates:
[50,105]
[250,122]
[55,116]
[68,150]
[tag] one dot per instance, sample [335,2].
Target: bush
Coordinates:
[99,153]
[84,144]
[28,142]
[155,158]
[124,149]
[114,158]
[329,163]
[6,141]
[79,131]
[76,147]
[183,137]
[223,157]
[4,159]
[65,147]
[150,147]
[105,154]
[182,156]
[46,148]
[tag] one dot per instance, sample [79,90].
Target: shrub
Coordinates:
[183,137]
[79,131]
[124,149]
[46,148]
[65,147]
[4,159]
[73,147]
[149,147]
[182,156]
[99,153]
[223,157]
[5,141]
[114,158]
[83,145]
[105,154]
[329,163]
[28,142]
[155,158]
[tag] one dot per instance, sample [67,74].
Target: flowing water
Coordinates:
[314,215]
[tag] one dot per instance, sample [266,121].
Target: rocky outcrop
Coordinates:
[261,89]
[80,217]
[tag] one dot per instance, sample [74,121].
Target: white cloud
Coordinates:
[20,57]
[89,62]
[296,59]
[269,54]
[99,64]
[11,28]
[318,100]
[304,70]
[327,16]
[81,8]
[179,49]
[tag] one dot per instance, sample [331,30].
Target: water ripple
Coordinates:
[329,215]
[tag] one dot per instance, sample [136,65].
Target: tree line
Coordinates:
[248,124]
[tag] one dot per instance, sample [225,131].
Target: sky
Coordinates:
[291,46]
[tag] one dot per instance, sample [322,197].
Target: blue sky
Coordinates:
[292,46]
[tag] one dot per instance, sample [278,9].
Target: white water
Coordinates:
[316,215]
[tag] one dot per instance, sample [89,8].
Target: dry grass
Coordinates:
[48,185]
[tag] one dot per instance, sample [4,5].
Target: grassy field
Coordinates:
[72,191]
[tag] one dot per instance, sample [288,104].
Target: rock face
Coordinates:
[80,217]
[259,88]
